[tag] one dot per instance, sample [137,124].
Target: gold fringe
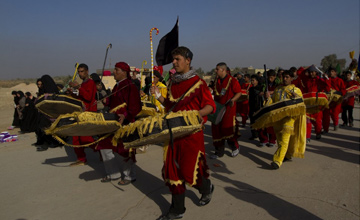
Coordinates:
[192,90]
[79,118]
[223,138]
[118,107]
[268,119]
[146,125]
[197,165]
[147,111]
[333,98]
[84,145]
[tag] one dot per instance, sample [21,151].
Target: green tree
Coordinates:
[332,61]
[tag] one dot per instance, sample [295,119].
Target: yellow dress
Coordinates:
[290,131]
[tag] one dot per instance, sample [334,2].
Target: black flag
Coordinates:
[167,44]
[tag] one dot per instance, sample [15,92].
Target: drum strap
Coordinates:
[168,122]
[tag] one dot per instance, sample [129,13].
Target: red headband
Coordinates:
[124,66]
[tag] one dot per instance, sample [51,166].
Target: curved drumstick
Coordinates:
[152,54]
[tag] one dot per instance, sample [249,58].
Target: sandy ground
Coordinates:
[41,185]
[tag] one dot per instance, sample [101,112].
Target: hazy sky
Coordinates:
[48,37]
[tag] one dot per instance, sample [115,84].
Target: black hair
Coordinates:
[287,72]
[292,69]
[83,65]
[271,73]
[183,51]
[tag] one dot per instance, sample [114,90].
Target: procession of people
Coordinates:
[278,104]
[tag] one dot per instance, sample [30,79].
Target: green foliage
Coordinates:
[332,61]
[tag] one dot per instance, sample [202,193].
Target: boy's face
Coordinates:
[287,80]
[271,79]
[348,76]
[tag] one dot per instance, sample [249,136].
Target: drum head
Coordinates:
[56,105]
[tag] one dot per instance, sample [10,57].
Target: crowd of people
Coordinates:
[185,162]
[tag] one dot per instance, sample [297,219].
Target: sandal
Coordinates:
[125,182]
[107,179]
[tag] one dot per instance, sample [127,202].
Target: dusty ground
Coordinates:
[40,185]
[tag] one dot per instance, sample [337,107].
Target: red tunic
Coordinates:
[123,92]
[338,85]
[351,100]
[316,84]
[243,107]
[87,93]
[187,152]
[229,86]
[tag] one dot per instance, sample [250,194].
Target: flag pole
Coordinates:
[152,54]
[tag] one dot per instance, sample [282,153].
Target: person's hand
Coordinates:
[73,84]
[121,118]
[153,90]
[261,93]
[231,103]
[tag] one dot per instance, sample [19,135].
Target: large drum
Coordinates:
[244,95]
[218,115]
[352,91]
[334,97]
[154,130]
[269,115]
[84,124]
[54,105]
[315,101]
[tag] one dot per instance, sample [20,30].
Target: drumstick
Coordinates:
[107,49]
[152,54]
[76,68]
[107,96]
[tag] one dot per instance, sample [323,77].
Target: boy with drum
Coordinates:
[184,158]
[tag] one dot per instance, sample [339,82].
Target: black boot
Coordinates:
[177,208]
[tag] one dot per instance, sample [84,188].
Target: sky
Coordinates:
[48,37]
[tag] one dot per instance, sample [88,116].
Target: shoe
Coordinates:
[343,125]
[351,124]
[125,182]
[336,127]
[107,179]
[318,136]
[262,144]
[325,132]
[235,152]
[78,163]
[206,198]
[307,140]
[252,138]
[215,156]
[11,127]
[170,216]
[271,145]
[275,166]
[40,148]
[37,144]
[287,159]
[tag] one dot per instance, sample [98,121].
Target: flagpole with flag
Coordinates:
[167,44]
